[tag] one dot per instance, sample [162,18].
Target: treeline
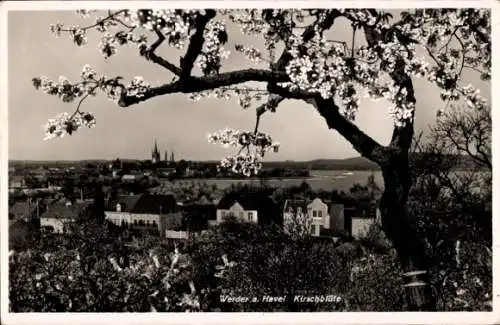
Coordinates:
[208,169]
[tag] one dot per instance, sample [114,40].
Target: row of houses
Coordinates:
[169,218]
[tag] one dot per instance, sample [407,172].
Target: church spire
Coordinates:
[156,147]
[155,155]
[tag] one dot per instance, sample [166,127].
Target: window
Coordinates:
[320,214]
[315,213]
[250,216]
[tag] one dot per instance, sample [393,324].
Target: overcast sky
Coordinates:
[173,120]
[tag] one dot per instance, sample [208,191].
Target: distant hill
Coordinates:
[355,163]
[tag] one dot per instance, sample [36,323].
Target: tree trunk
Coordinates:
[394,162]
[410,248]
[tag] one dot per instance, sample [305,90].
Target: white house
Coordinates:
[59,214]
[316,214]
[249,207]
[146,211]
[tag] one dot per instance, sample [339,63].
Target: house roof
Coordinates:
[24,208]
[249,201]
[203,210]
[292,205]
[61,210]
[147,203]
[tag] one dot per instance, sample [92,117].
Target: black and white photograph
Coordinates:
[222,159]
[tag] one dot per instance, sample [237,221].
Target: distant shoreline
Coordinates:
[346,164]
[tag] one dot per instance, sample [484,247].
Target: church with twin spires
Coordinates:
[156,156]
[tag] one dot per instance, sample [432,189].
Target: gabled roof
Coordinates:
[201,210]
[249,201]
[61,210]
[292,205]
[147,203]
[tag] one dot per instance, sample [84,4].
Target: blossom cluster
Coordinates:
[62,88]
[85,13]
[108,45]
[360,17]
[318,66]
[137,87]
[246,163]
[88,86]
[75,32]
[65,123]
[209,60]
[246,95]
[249,20]
[455,39]
[473,98]
[250,53]
[231,137]
[174,24]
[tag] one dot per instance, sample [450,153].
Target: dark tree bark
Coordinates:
[398,228]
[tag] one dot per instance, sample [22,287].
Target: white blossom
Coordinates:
[137,87]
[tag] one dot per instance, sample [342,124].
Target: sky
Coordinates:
[176,123]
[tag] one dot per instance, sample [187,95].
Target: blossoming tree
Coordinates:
[304,63]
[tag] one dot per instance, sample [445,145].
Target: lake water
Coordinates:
[319,179]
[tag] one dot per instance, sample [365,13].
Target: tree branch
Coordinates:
[197,84]
[151,55]
[327,108]
[195,44]
[401,136]
[307,35]
[271,104]
[362,142]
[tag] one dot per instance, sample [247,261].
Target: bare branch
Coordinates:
[82,100]
[151,55]
[271,104]
[197,84]
[327,108]
[362,142]
[111,16]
